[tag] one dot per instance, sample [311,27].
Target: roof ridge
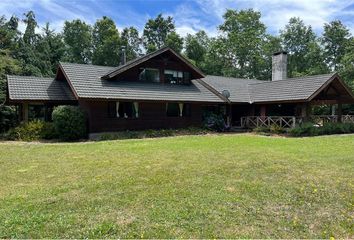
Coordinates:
[86,64]
[246,79]
[24,76]
[295,78]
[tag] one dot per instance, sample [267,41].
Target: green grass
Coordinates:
[213,186]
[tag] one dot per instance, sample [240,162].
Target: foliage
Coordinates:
[174,41]
[273,129]
[77,36]
[106,43]
[69,122]
[334,40]
[156,32]
[213,121]
[32,131]
[152,133]
[179,187]
[243,39]
[131,40]
[310,129]
[305,55]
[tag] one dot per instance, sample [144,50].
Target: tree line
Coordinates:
[242,48]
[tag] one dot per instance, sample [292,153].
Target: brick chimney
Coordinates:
[279,66]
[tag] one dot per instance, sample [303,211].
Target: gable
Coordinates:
[161,59]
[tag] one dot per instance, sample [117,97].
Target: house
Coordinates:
[163,90]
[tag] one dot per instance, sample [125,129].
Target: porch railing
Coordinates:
[322,119]
[267,121]
[290,121]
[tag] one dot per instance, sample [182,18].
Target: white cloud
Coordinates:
[276,13]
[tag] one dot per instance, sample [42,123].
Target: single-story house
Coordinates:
[163,90]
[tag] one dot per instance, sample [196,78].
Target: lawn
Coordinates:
[213,186]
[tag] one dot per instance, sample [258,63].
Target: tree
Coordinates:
[8,65]
[346,69]
[51,49]
[78,39]
[334,41]
[30,36]
[196,47]
[301,43]
[243,35]
[132,42]
[26,50]
[174,41]
[106,43]
[156,32]
[9,34]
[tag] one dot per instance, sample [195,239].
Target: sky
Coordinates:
[190,16]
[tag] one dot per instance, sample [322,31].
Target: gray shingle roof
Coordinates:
[257,91]
[238,87]
[86,81]
[38,88]
[292,89]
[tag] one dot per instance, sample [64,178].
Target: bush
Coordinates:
[215,122]
[8,118]
[69,123]
[152,133]
[31,131]
[309,129]
[275,129]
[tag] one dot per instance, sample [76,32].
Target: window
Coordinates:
[149,75]
[177,77]
[178,110]
[123,109]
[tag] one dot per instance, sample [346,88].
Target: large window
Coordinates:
[178,109]
[176,77]
[123,109]
[149,75]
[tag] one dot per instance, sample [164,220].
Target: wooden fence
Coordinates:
[258,121]
[290,121]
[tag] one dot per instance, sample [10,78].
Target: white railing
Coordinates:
[290,121]
[267,121]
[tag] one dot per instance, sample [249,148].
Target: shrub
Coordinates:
[31,131]
[69,122]
[276,129]
[261,130]
[215,122]
[8,118]
[309,129]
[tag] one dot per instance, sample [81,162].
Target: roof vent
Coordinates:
[279,66]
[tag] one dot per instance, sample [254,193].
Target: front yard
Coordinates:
[212,186]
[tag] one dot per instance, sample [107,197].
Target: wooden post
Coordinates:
[340,113]
[25,112]
[263,111]
[305,111]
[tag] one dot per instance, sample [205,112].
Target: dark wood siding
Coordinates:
[152,115]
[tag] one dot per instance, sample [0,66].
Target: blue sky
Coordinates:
[189,15]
